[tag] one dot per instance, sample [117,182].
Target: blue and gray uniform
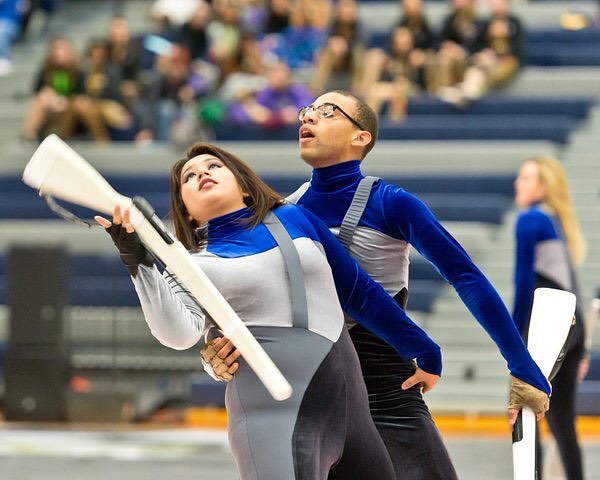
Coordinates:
[325,425]
[392,221]
[543,260]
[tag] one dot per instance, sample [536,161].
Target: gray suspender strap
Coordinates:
[355,211]
[294,269]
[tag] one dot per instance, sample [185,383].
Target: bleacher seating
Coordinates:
[94,280]
[563,47]
[495,117]
[100,279]
[477,198]
[495,104]
[554,128]
[588,391]
[205,392]
[547,47]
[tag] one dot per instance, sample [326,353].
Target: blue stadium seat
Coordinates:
[577,108]
[497,184]
[564,37]
[554,128]
[563,47]
[559,55]
[447,194]
[203,391]
[594,372]
[468,208]
[422,294]
[543,47]
[421,269]
[95,280]
[18,201]
[588,391]
[101,280]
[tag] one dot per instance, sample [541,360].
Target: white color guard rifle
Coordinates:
[552,317]
[56,170]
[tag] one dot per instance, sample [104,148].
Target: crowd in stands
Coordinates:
[15,17]
[238,62]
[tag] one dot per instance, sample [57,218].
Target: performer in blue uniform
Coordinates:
[324,431]
[549,243]
[338,130]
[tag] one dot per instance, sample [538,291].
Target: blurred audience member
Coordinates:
[459,35]
[175,92]
[414,19]
[498,55]
[249,75]
[57,83]
[173,12]
[30,9]
[276,104]
[193,32]
[224,35]
[100,107]
[391,76]
[299,42]
[339,63]
[253,17]
[278,16]
[247,78]
[124,53]
[10,17]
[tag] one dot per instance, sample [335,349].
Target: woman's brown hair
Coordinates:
[260,199]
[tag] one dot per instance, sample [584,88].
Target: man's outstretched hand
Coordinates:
[524,395]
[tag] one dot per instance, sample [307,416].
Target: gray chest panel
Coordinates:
[552,262]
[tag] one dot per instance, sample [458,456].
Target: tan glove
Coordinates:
[219,367]
[524,395]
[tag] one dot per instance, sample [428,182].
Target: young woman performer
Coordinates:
[549,244]
[287,297]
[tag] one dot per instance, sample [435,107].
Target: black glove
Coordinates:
[132,251]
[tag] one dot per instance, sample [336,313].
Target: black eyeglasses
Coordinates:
[325,110]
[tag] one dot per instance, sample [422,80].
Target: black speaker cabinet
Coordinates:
[36,381]
[37,294]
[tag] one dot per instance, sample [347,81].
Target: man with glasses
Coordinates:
[378,223]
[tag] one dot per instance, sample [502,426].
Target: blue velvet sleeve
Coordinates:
[411,218]
[532,227]
[369,304]
[524,276]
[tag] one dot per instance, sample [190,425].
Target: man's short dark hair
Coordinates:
[365,116]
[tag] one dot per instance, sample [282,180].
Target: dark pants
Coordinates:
[561,416]
[401,416]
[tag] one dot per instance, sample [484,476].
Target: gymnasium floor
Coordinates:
[151,453]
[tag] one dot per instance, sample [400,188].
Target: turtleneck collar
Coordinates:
[336,177]
[537,205]
[228,224]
